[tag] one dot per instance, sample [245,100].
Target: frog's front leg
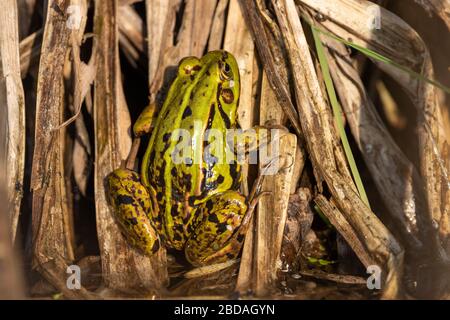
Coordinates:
[146,120]
[132,207]
[219,236]
[245,141]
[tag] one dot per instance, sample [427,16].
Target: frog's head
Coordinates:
[224,69]
[219,67]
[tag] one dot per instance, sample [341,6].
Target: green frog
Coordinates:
[189,205]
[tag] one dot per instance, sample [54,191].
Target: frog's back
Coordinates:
[195,115]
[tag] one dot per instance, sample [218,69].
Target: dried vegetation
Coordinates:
[74,75]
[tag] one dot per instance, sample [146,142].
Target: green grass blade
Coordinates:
[376,56]
[337,110]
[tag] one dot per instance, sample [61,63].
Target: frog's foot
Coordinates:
[218,238]
[256,137]
[273,124]
[131,203]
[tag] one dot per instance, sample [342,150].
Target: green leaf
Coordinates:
[376,56]
[323,217]
[338,115]
[320,262]
[57,296]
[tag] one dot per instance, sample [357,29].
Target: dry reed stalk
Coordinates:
[315,114]
[196,23]
[52,229]
[124,269]
[238,41]
[12,151]
[13,102]
[395,176]
[131,34]
[158,15]
[11,278]
[180,28]
[338,220]
[437,7]
[218,26]
[30,48]
[252,278]
[272,210]
[272,58]
[399,42]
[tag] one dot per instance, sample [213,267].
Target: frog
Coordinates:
[195,206]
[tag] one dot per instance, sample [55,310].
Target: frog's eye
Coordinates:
[225,71]
[227,68]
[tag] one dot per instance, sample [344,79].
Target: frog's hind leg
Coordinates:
[225,220]
[132,208]
[214,240]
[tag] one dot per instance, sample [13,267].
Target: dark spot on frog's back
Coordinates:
[187,112]
[178,231]
[213,218]
[222,227]
[133,221]
[234,170]
[160,178]
[220,179]
[212,113]
[187,179]
[124,199]
[191,200]
[177,237]
[134,177]
[152,155]
[225,117]
[166,136]
[174,210]
[209,205]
